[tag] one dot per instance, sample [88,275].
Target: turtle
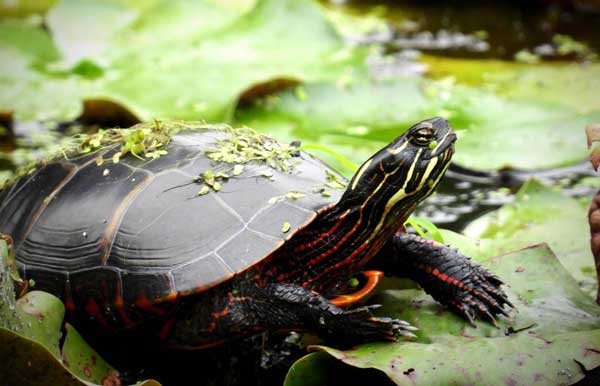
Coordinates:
[223,232]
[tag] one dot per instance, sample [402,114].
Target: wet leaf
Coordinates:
[21,8]
[8,302]
[83,29]
[537,214]
[25,362]
[82,360]
[317,369]
[41,315]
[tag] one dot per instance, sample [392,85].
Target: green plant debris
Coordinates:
[267,174]
[295,195]
[286,227]
[351,166]
[238,169]
[145,140]
[334,181]
[204,190]
[245,145]
[425,228]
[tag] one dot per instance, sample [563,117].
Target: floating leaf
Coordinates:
[537,214]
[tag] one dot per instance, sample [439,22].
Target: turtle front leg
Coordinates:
[278,307]
[289,306]
[448,276]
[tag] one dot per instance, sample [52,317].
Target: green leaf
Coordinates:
[537,214]
[29,40]
[83,29]
[557,326]
[21,8]
[318,369]
[8,303]
[82,360]
[206,73]
[201,55]
[41,315]
[420,223]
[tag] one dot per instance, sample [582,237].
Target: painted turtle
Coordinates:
[230,233]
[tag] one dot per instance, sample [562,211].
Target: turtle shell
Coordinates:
[139,228]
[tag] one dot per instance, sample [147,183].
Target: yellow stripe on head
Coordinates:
[398,149]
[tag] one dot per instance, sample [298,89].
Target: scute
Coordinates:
[139,228]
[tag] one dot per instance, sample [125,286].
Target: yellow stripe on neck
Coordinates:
[360,173]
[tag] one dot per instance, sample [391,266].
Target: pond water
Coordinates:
[478,29]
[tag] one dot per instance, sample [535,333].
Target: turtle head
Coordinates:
[396,178]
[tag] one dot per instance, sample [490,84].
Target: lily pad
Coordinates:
[567,84]
[553,338]
[537,214]
[171,59]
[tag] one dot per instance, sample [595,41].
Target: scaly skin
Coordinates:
[448,276]
[242,307]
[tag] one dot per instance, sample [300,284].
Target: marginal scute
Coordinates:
[27,197]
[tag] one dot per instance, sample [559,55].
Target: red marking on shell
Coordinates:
[146,305]
[120,305]
[69,304]
[92,307]
[213,327]
[166,328]
[172,296]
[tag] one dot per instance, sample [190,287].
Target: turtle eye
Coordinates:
[423,136]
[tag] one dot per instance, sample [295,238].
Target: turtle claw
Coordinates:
[396,328]
[359,324]
[482,298]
